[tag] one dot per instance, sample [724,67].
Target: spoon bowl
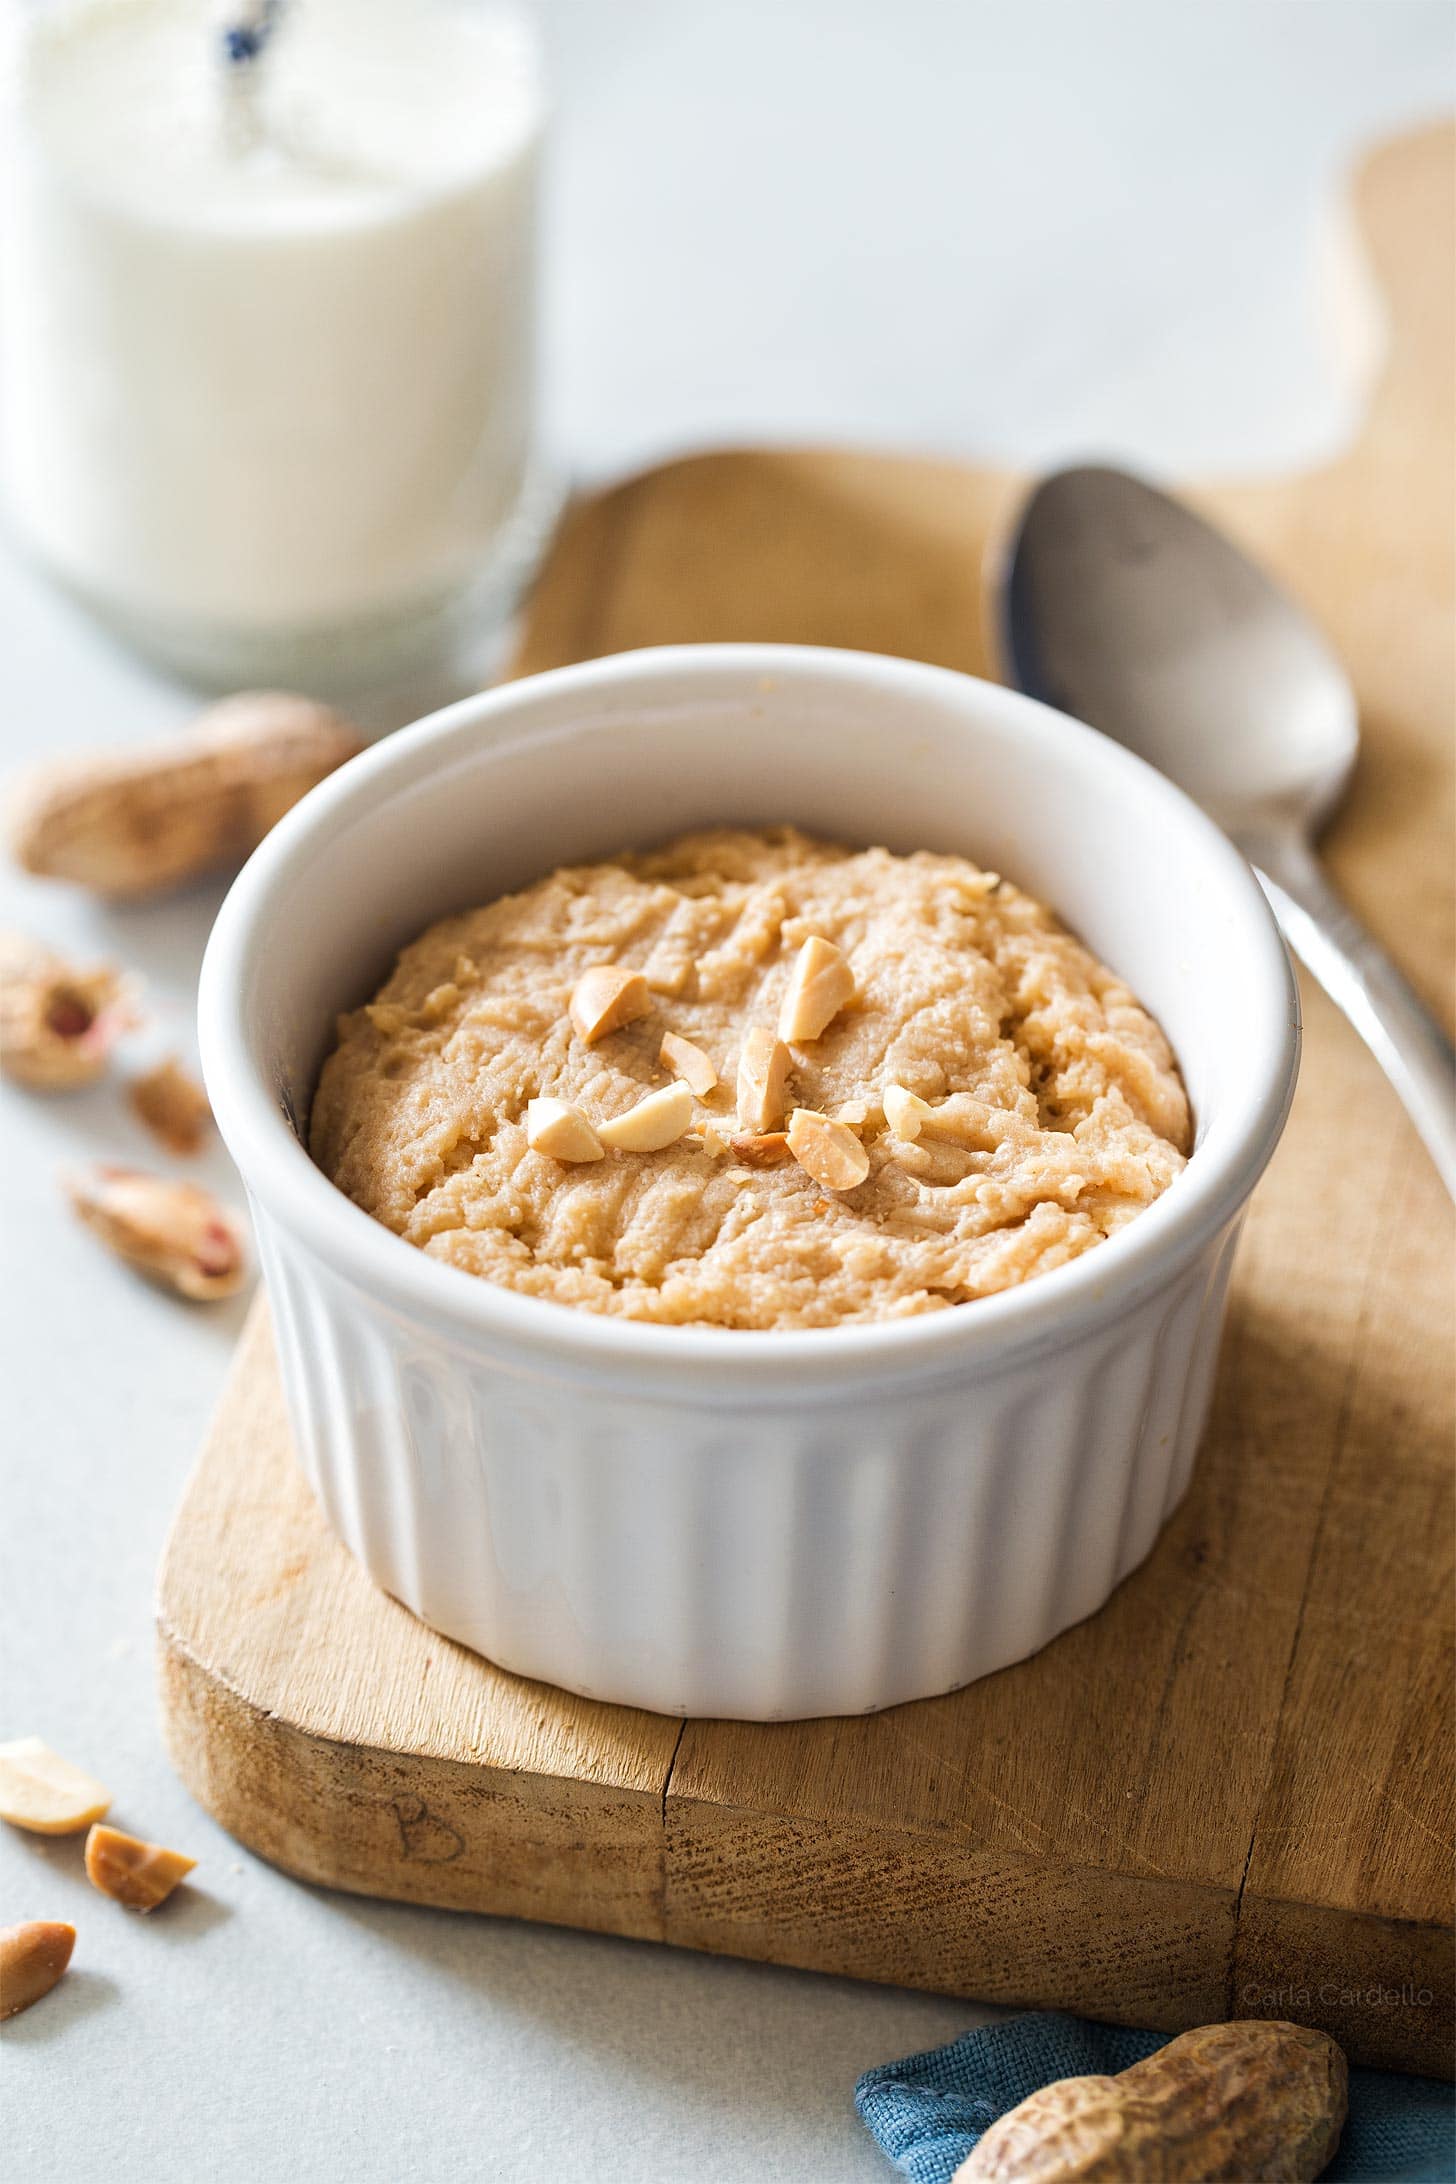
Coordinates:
[1126,610]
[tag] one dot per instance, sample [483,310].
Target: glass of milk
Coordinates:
[267,323]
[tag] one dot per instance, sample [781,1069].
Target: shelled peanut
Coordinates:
[33,1958]
[45,1794]
[131,1871]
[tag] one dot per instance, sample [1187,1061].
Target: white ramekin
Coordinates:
[694,1520]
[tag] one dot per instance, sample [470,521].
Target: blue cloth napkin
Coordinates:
[928,2111]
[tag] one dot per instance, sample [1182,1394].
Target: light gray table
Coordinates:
[1032,230]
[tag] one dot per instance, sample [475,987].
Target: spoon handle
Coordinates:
[1360,978]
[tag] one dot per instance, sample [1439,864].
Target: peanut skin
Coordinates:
[172,1105]
[139,1874]
[1222,2105]
[33,1957]
[137,822]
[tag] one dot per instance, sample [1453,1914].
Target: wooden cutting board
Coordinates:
[1229,1792]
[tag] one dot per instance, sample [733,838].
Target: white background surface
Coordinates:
[1030,227]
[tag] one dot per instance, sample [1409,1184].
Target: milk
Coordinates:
[267,359]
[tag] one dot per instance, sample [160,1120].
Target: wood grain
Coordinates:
[341,1738]
[1229,1792]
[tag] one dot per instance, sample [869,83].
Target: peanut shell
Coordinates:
[1226,2104]
[177,1234]
[139,821]
[58,1024]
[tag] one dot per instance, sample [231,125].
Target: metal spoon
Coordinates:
[1122,607]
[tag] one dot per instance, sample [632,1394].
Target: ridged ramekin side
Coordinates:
[822,1557]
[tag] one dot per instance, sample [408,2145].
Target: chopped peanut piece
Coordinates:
[828,1151]
[820,984]
[44,1793]
[33,1957]
[175,1233]
[657,1121]
[688,1062]
[854,1112]
[958,1119]
[172,1105]
[763,1075]
[561,1131]
[605,998]
[58,1024]
[140,1875]
[760,1149]
[905,1112]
